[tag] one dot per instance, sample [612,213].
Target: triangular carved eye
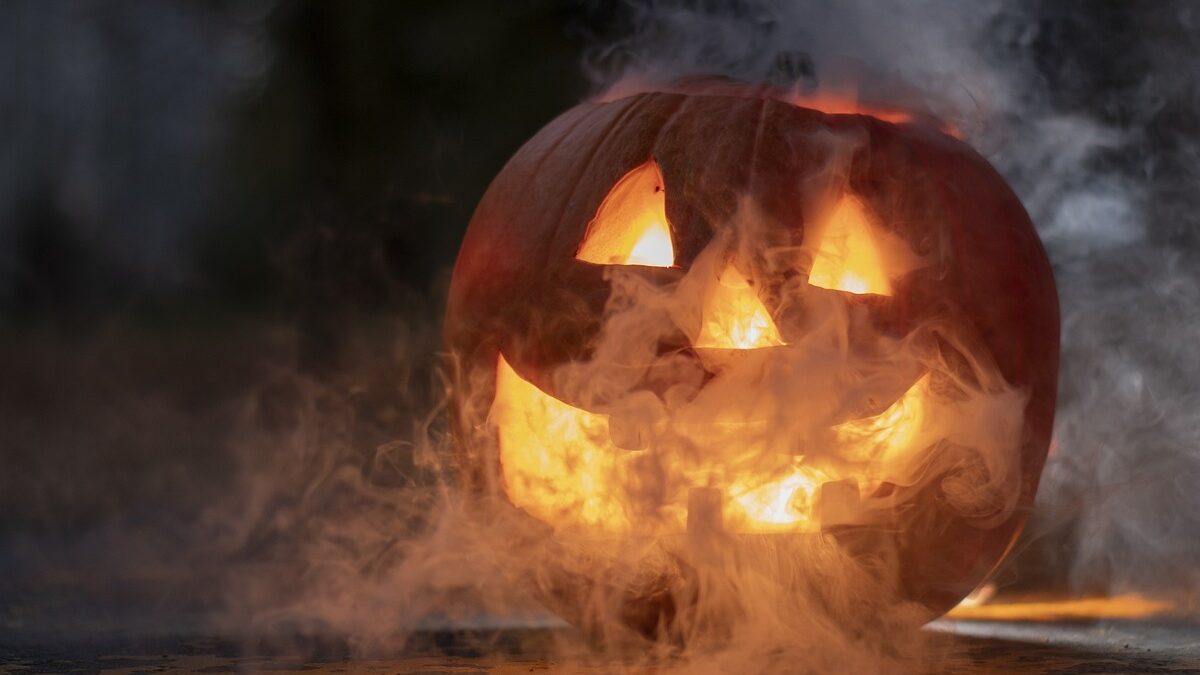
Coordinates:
[848,257]
[630,227]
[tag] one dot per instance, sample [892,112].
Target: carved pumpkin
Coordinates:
[700,316]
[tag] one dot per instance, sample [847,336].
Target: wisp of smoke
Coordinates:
[311,538]
[1087,114]
[1116,504]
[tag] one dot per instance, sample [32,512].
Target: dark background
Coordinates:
[226,231]
[188,183]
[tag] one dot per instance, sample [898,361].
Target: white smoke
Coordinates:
[1092,117]
[1086,113]
[1115,511]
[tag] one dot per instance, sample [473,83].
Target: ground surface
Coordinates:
[955,647]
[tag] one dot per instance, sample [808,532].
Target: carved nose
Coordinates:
[733,317]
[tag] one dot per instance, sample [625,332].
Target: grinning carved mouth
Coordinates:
[769,449]
[560,463]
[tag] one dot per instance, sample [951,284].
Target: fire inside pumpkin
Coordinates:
[559,462]
[825,320]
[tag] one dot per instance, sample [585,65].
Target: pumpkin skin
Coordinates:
[518,290]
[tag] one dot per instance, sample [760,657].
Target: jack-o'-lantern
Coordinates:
[705,316]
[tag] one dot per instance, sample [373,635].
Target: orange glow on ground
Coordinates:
[1131,606]
[847,258]
[630,227]
[783,504]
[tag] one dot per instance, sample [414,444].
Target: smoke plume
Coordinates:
[1089,112]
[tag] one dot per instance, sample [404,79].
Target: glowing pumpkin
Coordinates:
[714,310]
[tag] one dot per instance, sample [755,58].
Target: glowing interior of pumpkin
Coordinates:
[630,227]
[734,318]
[559,463]
[848,257]
[888,436]
[783,503]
